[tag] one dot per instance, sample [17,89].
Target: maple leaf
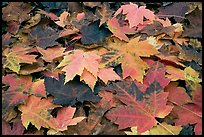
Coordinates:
[44,36]
[187,111]
[80,16]
[188,74]
[15,56]
[69,93]
[92,34]
[9,114]
[68,31]
[86,65]
[119,31]
[156,72]
[134,14]
[78,61]
[20,88]
[190,54]
[65,118]
[51,15]
[17,128]
[32,68]
[128,54]
[170,58]
[176,10]
[107,74]
[51,71]
[142,108]
[51,53]
[195,27]
[35,111]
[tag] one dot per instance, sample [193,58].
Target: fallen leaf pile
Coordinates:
[101,68]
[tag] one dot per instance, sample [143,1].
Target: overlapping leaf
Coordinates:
[69,93]
[20,87]
[142,108]
[86,65]
[187,110]
[15,56]
[135,14]
[35,111]
[128,54]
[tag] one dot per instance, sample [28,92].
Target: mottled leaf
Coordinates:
[141,108]
[20,88]
[15,56]
[35,111]
[128,54]
[188,112]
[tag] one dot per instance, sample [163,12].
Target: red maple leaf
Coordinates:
[142,108]
[134,14]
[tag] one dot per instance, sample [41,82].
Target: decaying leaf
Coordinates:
[45,37]
[70,93]
[17,11]
[91,33]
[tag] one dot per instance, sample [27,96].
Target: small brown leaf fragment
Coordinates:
[194,29]
[91,4]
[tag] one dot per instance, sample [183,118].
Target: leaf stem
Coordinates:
[185,108]
[166,128]
[171,16]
